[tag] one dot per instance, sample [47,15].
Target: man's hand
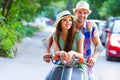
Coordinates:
[91,62]
[47,57]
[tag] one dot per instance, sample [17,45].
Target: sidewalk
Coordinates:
[28,63]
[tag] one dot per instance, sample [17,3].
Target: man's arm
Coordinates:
[50,42]
[96,41]
[97,44]
[47,56]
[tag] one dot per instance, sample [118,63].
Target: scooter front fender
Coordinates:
[66,73]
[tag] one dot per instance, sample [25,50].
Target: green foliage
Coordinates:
[104,8]
[7,40]
[6,44]
[52,9]
[111,8]
[24,9]
[10,34]
[95,6]
[11,28]
[29,31]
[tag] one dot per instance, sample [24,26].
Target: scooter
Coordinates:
[65,71]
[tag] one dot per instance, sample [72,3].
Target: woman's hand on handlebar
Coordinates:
[64,56]
[47,57]
[61,54]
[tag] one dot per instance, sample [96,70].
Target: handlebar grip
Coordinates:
[81,60]
[56,57]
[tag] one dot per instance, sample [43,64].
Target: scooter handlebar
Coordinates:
[76,60]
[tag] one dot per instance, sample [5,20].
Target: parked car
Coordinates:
[112,41]
[103,35]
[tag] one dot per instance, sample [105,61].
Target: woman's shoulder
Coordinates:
[79,34]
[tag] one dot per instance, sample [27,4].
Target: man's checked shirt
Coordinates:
[90,30]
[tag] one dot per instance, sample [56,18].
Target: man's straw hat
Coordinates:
[82,5]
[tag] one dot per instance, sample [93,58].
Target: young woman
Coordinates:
[67,40]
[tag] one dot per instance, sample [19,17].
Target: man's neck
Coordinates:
[79,24]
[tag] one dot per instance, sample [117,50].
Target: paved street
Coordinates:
[28,64]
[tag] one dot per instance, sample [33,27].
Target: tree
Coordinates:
[95,6]
[111,8]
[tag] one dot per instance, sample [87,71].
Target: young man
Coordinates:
[90,32]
